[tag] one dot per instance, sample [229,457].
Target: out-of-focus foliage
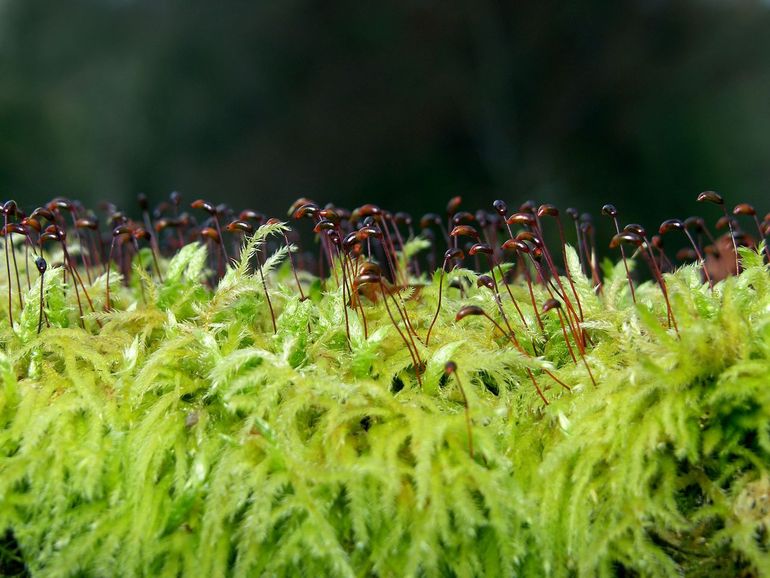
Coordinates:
[640,102]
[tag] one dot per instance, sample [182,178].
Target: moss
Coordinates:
[185,437]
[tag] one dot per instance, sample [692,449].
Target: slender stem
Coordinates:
[108,263]
[9,238]
[84,258]
[566,338]
[518,346]
[42,283]
[417,367]
[732,237]
[8,270]
[467,415]
[264,286]
[344,300]
[438,307]
[566,267]
[582,354]
[700,258]
[293,267]
[154,242]
[625,263]
[762,236]
[510,294]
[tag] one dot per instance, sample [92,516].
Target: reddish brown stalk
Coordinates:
[8,232]
[10,209]
[657,242]
[41,267]
[145,235]
[405,318]
[176,202]
[293,266]
[554,304]
[84,253]
[552,289]
[716,198]
[375,231]
[612,212]
[451,208]
[475,310]
[433,219]
[337,242]
[144,206]
[748,210]
[406,219]
[451,369]
[54,233]
[551,211]
[636,235]
[699,225]
[587,233]
[16,228]
[76,275]
[488,251]
[536,237]
[16,270]
[91,229]
[677,225]
[349,243]
[312,211]
[21,230]
[519,247]
[399,277]
[212,210]
[61,204]
[551,304]
[211,236]
[489,282]
[535,256]
[425,222]
[119,231]
[389,249]
[449,255]
[374,277]
[575,215]
[6,242]
[31,224]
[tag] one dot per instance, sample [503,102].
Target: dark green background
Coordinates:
[404,103]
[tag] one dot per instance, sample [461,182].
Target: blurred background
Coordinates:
[404,103]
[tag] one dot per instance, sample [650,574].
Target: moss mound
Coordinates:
[180,434]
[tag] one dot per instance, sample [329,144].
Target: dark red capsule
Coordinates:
[670,225]
[711,197]
[468,310]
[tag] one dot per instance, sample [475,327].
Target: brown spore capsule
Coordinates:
[464,231]
[547,210]
[522,219]
[453,204]
[485,281]
[710,197]
[450,368]
[463,218]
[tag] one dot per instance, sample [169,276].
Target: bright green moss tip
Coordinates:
[185,438]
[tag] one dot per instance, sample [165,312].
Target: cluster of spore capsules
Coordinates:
[362,252]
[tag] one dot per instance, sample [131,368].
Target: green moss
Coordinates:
[184,437]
